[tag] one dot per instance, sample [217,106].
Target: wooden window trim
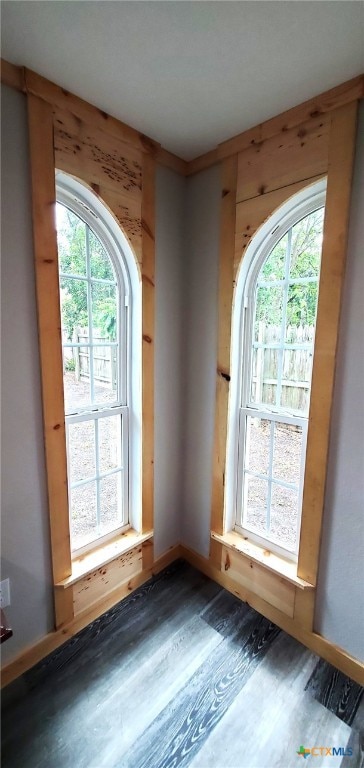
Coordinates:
[323,103]
[103,554]
[49,325]
[336,223]
[269,560]
[51,148]
[27,81]
[242,213]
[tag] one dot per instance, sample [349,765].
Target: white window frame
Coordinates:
[286,216]
[86,205]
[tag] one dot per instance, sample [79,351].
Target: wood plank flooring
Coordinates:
[181,674]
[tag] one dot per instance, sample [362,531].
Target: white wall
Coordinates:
[25,533]
[340,595]
[200,324]
[169,407]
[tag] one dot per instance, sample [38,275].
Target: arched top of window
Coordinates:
[298,206]
[100,297]
[84,202]
[274,321]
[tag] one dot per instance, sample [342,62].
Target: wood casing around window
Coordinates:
[49,330]
[254,183]
[122,175]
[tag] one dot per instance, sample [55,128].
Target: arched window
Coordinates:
[273,344]
[101,340]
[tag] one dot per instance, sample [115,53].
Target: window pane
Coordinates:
[110,455]
[105,361]
[73,295]
[274,266]
[104,311]
[257,445]
[265,363]
[91,336]
[100,262]
[75,359]
[301,307]
[306,245]
[277,366]
[111,508]
[81,450]
[296,376]
[76,388]
[83,515]
[287,453]
[269,308]
[284,516]
[71,240]
[255,504]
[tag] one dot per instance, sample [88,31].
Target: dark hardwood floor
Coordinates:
[182,674]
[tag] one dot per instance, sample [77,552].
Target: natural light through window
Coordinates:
[276,356]
[94,306]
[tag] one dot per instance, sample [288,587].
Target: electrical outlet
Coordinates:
[4,593]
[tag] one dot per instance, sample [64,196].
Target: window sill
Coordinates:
[103,555]
[272,562]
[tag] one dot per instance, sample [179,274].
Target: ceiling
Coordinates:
[188,74]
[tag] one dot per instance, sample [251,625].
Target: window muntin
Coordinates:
[276,352]
[94,307]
